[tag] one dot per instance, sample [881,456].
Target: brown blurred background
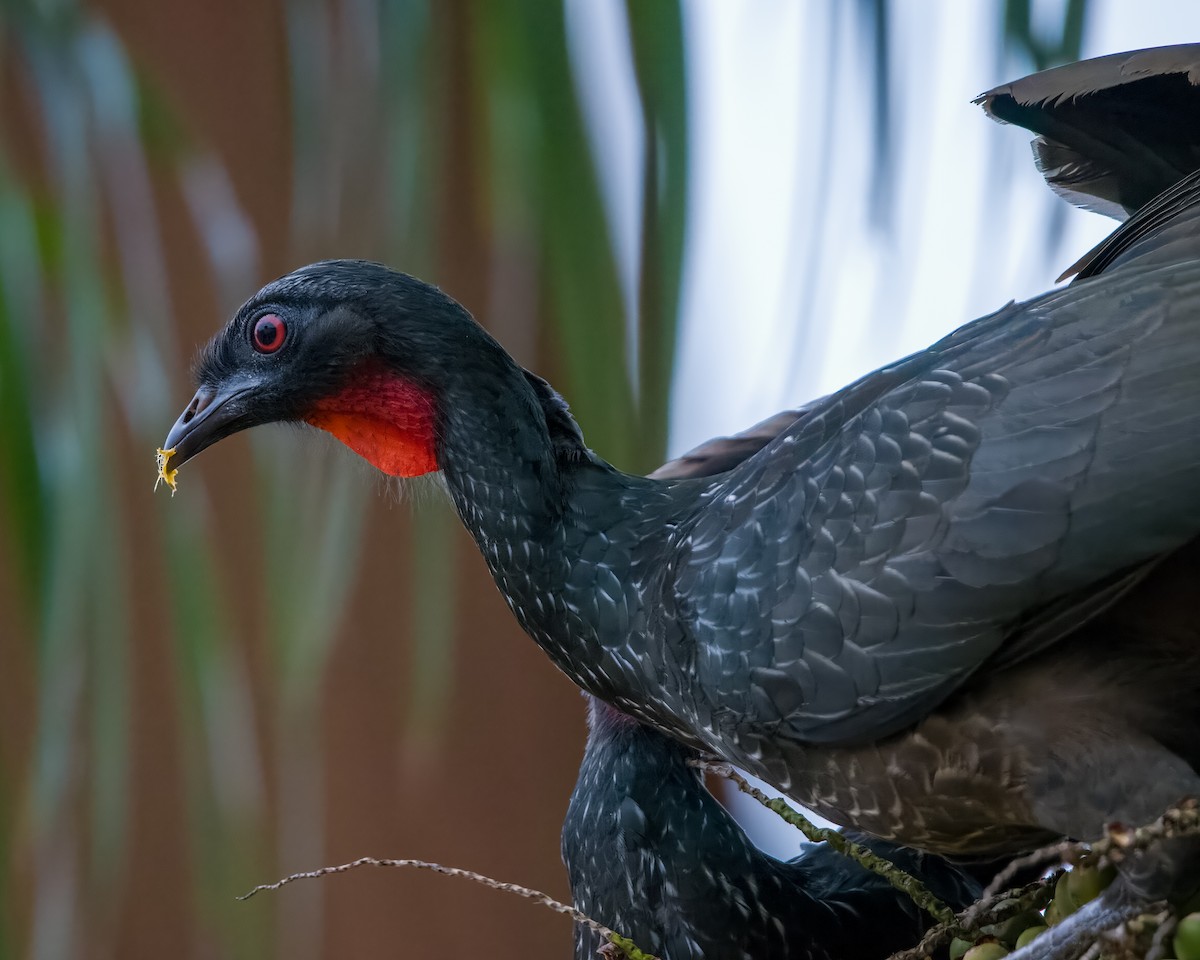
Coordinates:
[286,665]
[279,668]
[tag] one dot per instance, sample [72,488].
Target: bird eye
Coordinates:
[269,333]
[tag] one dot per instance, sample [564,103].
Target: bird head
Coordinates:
[348,346]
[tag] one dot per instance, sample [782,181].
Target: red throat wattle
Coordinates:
[385,419]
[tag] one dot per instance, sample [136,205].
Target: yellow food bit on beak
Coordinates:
[164,475]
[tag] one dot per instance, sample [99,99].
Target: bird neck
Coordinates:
[565,535]
[506,450]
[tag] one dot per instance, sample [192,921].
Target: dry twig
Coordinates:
[1160,943]
[988,910]
[1064,851]
[624,944]
[1119,843]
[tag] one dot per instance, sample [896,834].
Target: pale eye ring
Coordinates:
[269,333]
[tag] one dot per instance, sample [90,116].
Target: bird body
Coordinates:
[912,609]
[651,854]
[748,618]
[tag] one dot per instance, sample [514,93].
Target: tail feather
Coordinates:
[1115,131]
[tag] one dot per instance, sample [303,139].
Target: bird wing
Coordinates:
[1146,222]
[842,581]
[724,453]
[1114,131]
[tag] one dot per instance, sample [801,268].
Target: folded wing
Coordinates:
[847,577]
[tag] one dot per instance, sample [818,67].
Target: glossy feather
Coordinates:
[651,854]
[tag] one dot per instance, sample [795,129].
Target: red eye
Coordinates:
[269,333]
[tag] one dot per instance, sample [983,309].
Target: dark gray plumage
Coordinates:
[928,608]
[651,854]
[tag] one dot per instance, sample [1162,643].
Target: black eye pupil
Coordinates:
[269,332]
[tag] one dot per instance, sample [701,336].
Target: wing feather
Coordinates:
[903,531]
[1114,131]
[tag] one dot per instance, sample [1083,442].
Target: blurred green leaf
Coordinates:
[20,483]
[164,136]
[523,45]
[1061,46]
[656,34]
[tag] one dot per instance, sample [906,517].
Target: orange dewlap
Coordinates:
[386,420]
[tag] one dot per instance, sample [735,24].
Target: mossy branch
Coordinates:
[624,945]
[914,888]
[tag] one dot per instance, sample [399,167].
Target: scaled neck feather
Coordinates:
[570,541]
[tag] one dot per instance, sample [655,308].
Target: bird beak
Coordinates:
[213,414]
